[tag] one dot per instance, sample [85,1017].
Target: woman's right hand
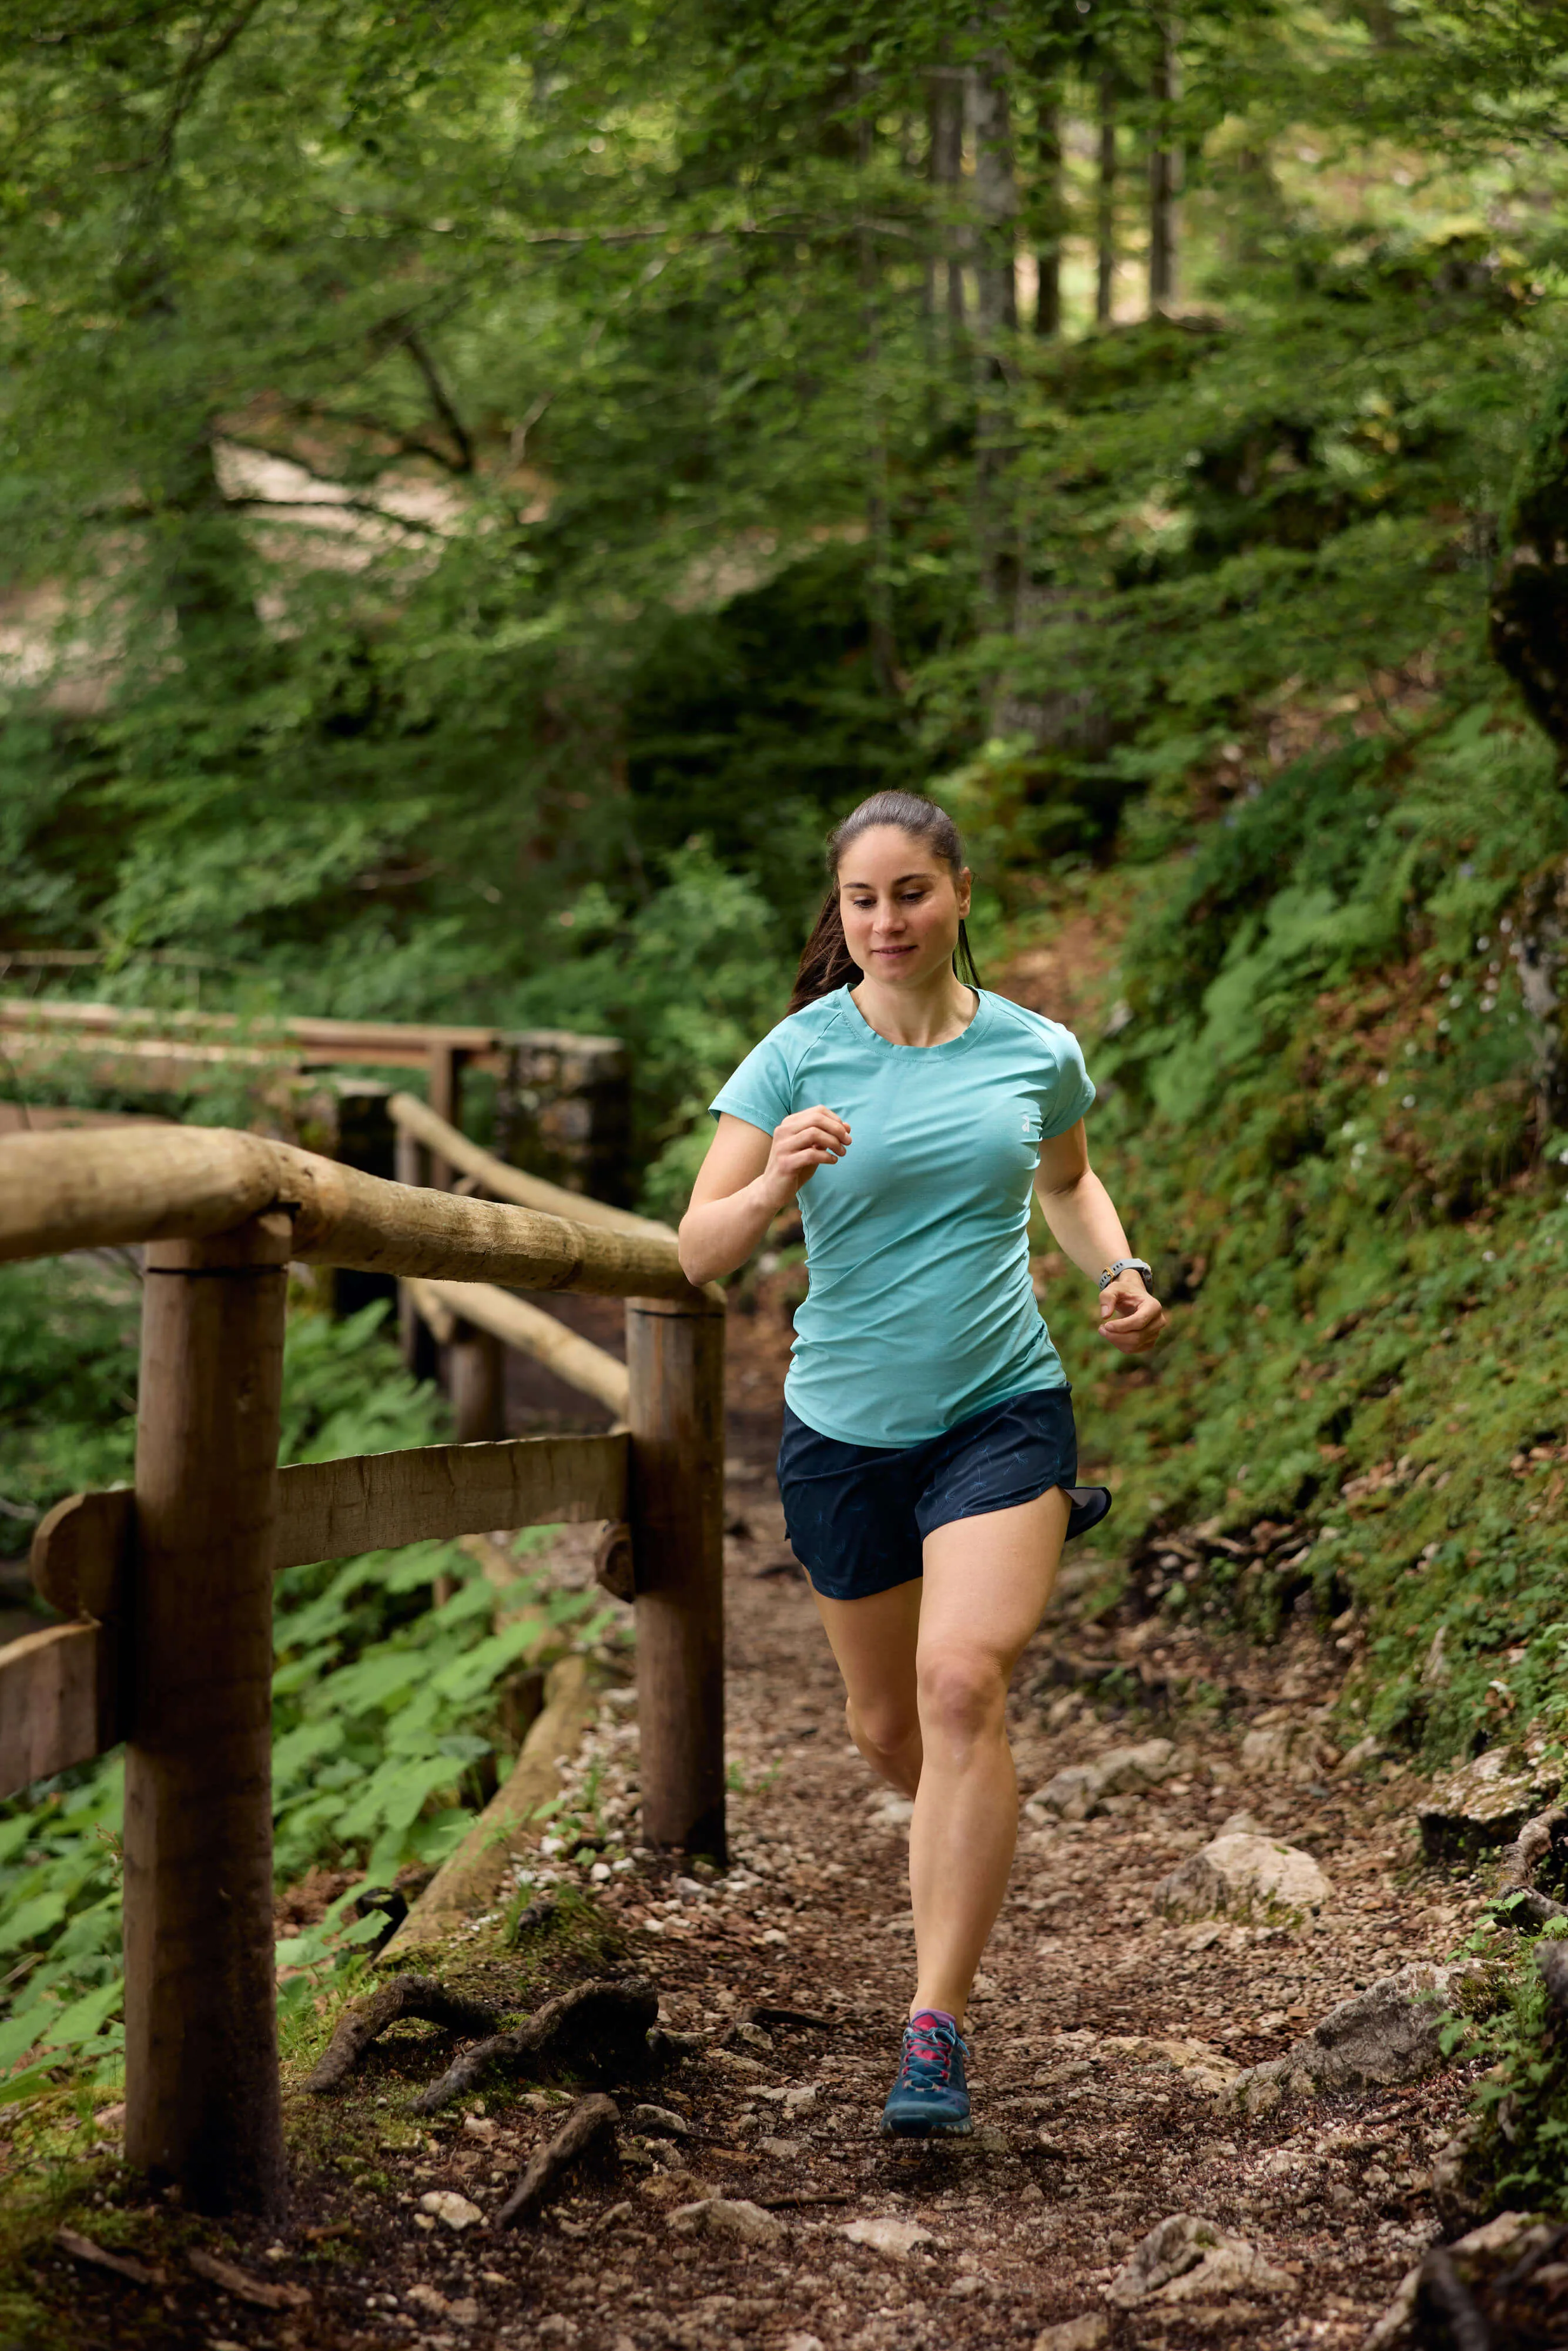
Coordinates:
[805,1141]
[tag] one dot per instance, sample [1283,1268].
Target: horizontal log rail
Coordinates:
[447,1306]
[169,1584]
[59,1702]
[60,1697]
[386,1044]
[117,1186]
[505,1182]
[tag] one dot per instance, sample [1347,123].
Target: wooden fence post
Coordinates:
[445,1097]
[476,1376]
[674,1356]
[418,1343]
[203,2106]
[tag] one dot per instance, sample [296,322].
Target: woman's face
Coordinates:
[901,907]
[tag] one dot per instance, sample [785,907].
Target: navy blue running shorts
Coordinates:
[858,1514]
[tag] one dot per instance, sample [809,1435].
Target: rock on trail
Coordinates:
[1390,2032]
[1240,1875]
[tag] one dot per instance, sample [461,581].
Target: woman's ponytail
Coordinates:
[826,961]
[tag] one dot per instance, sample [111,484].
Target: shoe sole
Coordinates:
[928,2130]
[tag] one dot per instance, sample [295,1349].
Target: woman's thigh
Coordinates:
[873,1643]
[989,1579]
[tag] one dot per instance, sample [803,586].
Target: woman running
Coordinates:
[928,1458]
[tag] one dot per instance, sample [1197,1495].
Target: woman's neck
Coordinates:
[928,1016]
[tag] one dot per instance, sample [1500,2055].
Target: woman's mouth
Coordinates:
[892,951]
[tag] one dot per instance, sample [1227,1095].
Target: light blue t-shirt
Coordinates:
[921,1311]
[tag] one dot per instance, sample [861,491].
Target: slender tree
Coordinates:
[1050,209]
[945,103]
[1105,204]
[1165,173]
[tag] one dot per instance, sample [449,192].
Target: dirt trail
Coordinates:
[796,1969]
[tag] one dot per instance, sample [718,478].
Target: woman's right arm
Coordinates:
[745,1181]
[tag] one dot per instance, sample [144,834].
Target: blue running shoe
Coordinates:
[930,2098]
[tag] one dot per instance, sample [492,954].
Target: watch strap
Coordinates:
[1126,1265]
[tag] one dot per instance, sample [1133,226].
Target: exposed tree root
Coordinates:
[588,2130]
[599,2028]
[419,1996]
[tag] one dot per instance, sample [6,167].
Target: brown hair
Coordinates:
[826,961]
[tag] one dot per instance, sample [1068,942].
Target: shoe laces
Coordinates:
[928,2047]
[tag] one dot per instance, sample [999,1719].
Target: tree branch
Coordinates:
[414,343]
[332,507]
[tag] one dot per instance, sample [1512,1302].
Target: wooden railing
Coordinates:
[152,1051]
[168,1587]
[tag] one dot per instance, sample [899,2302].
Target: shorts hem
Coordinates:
[992,1503]
[865,1588]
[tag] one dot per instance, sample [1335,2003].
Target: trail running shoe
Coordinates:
[930,2098]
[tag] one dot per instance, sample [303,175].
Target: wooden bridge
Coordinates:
[168,1587]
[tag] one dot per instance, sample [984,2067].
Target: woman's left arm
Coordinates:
[1078,1209]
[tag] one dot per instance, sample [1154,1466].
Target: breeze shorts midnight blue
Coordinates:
[858,1514]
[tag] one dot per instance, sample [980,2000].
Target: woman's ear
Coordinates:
[964,885]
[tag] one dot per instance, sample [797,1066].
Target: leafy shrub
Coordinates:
[690,979]
[384,1702]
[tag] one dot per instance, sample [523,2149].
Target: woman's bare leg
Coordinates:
[986,1583]
[874,1642]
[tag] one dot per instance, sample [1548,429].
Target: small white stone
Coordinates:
[727,2216]
[775,1935]
[1083,2333]
[897,2238]
[445,2204]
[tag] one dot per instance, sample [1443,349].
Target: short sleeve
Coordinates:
[761,1089]
[1068,1092]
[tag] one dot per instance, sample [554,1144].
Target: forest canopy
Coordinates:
[483,487]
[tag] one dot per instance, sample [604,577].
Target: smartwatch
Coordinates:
[1127,1265]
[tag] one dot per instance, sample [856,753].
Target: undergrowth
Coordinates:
[1517,2156]
[1320,1123]
[387,1701]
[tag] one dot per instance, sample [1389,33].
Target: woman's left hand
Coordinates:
[1129,1317]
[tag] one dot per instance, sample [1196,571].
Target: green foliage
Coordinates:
[1323,1116]
[68,1385]
[1518,2159]
[691,979]
[385,1704]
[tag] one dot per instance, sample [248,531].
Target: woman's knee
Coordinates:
[962,1695]
[884,1726]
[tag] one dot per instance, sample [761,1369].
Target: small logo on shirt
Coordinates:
[1030,1128]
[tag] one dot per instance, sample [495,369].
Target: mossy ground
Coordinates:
[64,2170]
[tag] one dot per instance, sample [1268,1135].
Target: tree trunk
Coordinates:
[1105,207]
[878,519]
[946,168]
[1165,178]
[1048,200]
[995,197]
